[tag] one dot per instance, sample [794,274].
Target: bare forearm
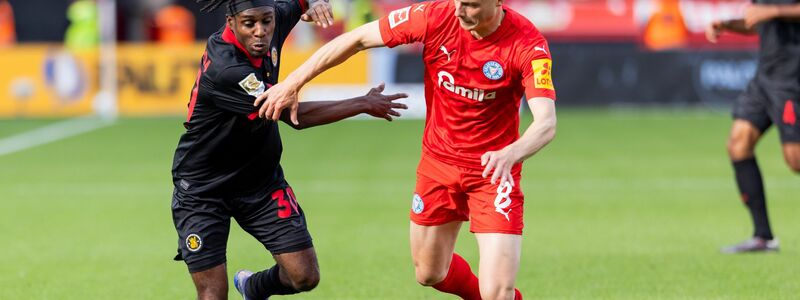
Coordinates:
[315,113]
[334,53]
[737,26]
[538,135]
[790,12]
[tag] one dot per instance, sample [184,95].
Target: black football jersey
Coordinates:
[226,149]
[779,57]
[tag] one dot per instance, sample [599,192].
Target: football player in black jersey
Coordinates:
[771,98]
[227,163]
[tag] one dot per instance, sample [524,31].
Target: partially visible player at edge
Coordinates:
[480,59]
[227,163]
[771,97]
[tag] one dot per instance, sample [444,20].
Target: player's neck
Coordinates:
[480,33]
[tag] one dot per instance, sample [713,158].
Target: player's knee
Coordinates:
[497,293]
[212,292]
[740,148]
[429,277]
[306,282]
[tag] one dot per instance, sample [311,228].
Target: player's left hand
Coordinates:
[383,106]
[277,98]
[758,13]
[320,12]
[501,161]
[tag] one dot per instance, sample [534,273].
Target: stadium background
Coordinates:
[630,201]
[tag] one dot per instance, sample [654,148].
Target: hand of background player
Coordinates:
[501,161]
[383,106]
[759,13]
[277,98]
[320,12]
[714,30]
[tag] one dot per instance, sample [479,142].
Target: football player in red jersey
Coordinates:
[481,58]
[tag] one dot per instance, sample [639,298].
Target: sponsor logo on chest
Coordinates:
[448,83]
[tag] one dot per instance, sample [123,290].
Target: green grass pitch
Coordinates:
[622,205]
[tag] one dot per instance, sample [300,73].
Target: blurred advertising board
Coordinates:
[47,81]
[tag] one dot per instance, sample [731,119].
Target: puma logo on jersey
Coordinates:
[448,82]
[444,49]
[537,48]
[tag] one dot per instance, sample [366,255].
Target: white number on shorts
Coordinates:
[503,201]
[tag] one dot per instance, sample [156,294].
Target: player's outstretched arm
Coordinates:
[538,135]
[759,13]
[374,103]
[716,28]
[284,94]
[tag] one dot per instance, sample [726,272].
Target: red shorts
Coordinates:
[447,193]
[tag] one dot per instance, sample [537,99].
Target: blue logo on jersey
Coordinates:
[493,70]
[416,205]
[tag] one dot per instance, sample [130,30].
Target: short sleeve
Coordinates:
[235,89]
[406,25]
[537,67]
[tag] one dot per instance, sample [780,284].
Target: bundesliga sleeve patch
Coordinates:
[399,16]
[251,85]
[542,77]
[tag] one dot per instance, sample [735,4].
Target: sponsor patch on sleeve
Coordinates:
[542,76]
[251,85]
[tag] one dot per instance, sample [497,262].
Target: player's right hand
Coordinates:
[277,98]
[713,31]
[320,12]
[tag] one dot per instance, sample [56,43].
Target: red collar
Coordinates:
[230,38]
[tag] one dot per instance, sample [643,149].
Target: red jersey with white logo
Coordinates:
[473,87]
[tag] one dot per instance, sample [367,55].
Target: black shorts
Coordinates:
[764,106]
[274,218]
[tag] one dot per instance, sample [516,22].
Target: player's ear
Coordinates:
[231,21]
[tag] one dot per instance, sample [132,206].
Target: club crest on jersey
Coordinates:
[448,82]
[251,85]
[493,70]
[417,206]
[274,56]
[194,242]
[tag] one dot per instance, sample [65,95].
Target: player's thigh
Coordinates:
[275,219]
[437,199]
[203,225]
[432,249]
[499,260]
[495,208]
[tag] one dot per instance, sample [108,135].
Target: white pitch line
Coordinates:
[51,133]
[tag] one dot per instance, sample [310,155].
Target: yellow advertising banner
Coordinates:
[47,81]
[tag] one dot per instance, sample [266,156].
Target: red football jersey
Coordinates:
[473,87]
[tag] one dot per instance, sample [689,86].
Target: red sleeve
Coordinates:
[537,67]
[405,26]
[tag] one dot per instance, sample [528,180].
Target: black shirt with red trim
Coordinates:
[226,150]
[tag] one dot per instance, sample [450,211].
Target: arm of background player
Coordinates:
[284,94]
[759,13]
[319,12]
[538,135]
[374,103]
[716,28]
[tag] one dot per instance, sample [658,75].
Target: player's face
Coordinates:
[475,14]
[254,28]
